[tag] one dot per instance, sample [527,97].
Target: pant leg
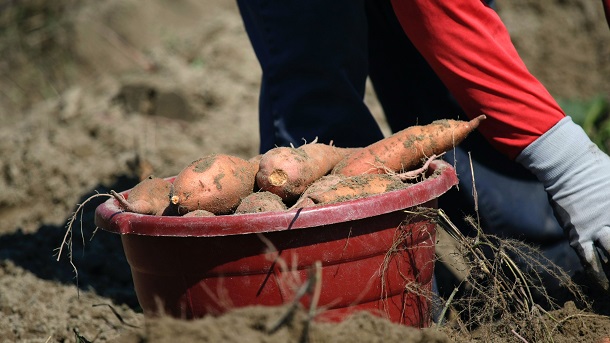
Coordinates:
[407,88]
[314,61]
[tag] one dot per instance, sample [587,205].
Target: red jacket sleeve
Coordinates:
[470,49]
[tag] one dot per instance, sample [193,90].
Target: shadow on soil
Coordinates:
[97,254]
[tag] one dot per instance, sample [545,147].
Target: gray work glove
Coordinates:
[576,176]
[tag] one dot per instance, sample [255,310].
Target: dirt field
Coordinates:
[93,93]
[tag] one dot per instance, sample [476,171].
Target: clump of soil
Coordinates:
[251,324]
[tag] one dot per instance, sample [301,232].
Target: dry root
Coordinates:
[408,242]
[503,289]
[67,239]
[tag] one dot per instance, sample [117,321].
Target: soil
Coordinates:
[94,95]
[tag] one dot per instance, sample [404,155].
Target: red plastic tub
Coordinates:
[374,256]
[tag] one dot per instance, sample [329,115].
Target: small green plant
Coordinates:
[594,117]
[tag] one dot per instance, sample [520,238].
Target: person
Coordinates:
[537,173]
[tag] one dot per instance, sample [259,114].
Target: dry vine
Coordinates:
[503,289]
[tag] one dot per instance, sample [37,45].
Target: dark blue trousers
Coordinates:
[316,56]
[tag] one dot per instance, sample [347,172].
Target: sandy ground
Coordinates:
[93,94]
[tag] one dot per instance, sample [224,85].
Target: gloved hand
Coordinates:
[576,176]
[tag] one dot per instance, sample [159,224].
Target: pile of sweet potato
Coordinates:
[288,177]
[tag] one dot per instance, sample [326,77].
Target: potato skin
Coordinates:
[287,171]
[320,186]
[335,188]
[215,183]
[356,187]
[150,196]
[261,202]
[405,149]
[199,214]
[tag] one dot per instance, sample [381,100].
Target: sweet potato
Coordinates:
[335,187]
[215,183]
[150,196]
[256,160]
[355,187]
[405,149]
[287,172]
[261,202]
[199,213]
[321,185]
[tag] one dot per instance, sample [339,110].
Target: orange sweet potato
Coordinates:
[215,183]
[199,213]
[321,185]
[287,172]
[256,160]
[261,202]
[150,196]
[405,149]
[355,187]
